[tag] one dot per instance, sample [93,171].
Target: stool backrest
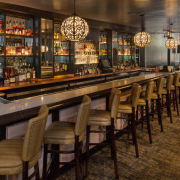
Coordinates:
[149,89]
[169,82]
[114,100]
[34,135]
[160,85]
[176,79]
[83,115]
[135,93]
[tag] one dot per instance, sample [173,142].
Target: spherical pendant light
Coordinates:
[74,28]
[142,38]
[171,43]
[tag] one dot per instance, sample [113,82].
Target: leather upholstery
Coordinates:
[172,87]
[154,96]
[169,82]
[82,117]
[141,102]
[176,79]
[99,117]
[164,91]
[149,90]
[103,117]
[60,132]
[160,85]
[34,134]
[126,107]
[13,152]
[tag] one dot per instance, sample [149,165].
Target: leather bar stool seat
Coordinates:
[17,156]
[164,91]
[61,132]
[125,107]
[66,133]
[130,108]
[172,87]
[99,118]
[105,118]
[145,101]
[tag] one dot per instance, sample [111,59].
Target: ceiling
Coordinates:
[158,13]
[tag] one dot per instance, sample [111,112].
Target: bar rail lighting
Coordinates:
[171,43]
[74,28]
[142,38]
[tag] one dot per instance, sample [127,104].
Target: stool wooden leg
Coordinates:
[173,101]
[25,170]
[36,169]
[148,123]
[134,131]
[176,99]
[159,112]
[142,108]
[45,162]
[169,105]
[114,148]
[179,95]
[77,157]
[81,160]
[152,107]
[87,149]
[128,127]
[2,177]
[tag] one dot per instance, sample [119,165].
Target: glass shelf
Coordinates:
[14,35]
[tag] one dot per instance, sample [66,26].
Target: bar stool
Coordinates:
[64,133]
[104,118]
[130,109]
[167,92]
[144,102]
[174,91]
[17,156]
[157,97]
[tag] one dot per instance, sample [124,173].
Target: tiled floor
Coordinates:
[157,161]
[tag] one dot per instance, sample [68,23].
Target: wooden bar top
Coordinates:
[62,78]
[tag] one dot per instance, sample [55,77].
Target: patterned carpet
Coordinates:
[157,161]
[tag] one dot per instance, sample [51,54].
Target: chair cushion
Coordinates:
[172,87]
[60,132]
[125,108]
[141,102]
[99,117]
[164,91]
[11,157]
[154,96]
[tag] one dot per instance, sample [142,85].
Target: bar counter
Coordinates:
[63,78]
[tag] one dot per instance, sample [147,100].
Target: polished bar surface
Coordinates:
[28,103]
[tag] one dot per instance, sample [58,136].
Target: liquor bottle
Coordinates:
[23,50]
[1,74]
[1,49]
[57,67]
[29,32]
[65,66]
[33,74]
[23,30]
[13,49]
[28,74]
[7,28]
[26,49]
[18,49]
[16,28]
[1,26]
[6,79]
[19,29]
[60,66]
[12,77]
[24,75]
[57,32]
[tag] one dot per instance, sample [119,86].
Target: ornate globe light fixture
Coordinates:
[142,38]
[171,43]
[74,28]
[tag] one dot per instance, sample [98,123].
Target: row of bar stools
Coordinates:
[65,133]
[130,108]
[145,102]
[157,95]
[104,118]
[17,155]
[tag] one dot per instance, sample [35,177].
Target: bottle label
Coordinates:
[28,76]
[34,75]
[12,79]
[24,77]
[20,77]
